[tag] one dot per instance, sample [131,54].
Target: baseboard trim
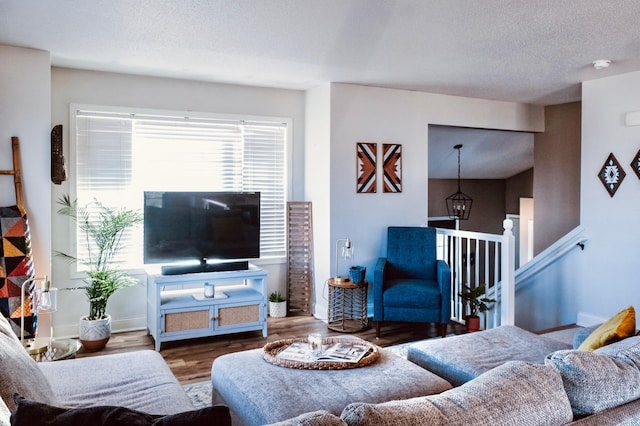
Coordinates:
[70,331]
[587,320]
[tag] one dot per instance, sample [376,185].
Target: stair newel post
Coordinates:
[507,283]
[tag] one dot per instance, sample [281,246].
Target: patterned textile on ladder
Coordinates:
[16,267]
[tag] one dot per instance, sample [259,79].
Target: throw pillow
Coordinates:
[618,327]
[18,372]
[29,413]
[595,382]
[582,334]
[513,393]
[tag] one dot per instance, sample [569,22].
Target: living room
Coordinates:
[328,120]
[586,286]
[332,223]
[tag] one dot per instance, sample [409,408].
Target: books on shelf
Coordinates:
[337,352]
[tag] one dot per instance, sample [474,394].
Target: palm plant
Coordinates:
[103,239]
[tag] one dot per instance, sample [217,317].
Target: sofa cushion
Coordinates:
[459,359]
[618,349]
[4,413]
[513,393]
[29,413]
[314,418]
[595,382]
[18,371]
[140,380]
[618,327]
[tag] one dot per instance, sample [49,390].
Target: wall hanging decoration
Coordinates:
[366,153]
[611,175]
[635,164]
[58,173]
[392,168]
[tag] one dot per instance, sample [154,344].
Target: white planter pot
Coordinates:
[94,334]
[278,309]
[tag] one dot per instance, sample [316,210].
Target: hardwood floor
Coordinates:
[190,360]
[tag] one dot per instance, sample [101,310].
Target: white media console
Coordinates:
[177,308]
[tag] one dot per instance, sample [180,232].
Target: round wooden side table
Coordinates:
[347,306]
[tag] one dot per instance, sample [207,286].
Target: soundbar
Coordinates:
[241,265]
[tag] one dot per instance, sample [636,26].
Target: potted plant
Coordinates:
[277,305]
[477,302]
[103,238]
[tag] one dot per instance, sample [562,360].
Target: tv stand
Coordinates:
[177,308]
[205,267]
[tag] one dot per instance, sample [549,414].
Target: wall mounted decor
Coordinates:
[635,164]
[366,154]
[392,168]
[58,173]
[611,175]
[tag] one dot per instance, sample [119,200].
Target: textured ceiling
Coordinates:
[532,51]
[535,51]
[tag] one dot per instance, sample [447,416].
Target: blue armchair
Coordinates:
[410,284]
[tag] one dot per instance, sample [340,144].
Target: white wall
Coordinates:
[608,274]
[128,307]
[318,175]
[368,114]
[25,112]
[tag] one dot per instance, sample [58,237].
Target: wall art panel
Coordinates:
[366,155]
[392,168]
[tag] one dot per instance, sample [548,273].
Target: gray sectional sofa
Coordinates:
[134,388]
[503,376]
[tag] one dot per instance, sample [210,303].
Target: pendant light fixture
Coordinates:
[459,204]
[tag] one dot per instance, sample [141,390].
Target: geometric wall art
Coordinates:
[635,164]
[392,168]
[366,154]
[611,175]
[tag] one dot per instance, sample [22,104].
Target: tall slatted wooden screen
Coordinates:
[300,258]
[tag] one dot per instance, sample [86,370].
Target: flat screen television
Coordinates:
[202,226]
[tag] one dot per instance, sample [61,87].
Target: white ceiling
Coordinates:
[485,154]
[533,51]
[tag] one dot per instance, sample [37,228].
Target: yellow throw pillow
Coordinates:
[618,327]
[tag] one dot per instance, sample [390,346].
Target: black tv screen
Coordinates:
[180,226]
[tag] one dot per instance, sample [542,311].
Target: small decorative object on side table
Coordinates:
[347,306]
[58,350]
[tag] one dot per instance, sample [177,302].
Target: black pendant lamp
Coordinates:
[459,203]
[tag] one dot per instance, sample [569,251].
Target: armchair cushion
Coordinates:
[412,293]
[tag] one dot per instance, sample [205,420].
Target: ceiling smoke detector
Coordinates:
[601,64]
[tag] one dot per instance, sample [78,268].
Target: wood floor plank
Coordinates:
[190,360]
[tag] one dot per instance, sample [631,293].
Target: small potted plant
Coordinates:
[477,302]
[103,240]
[277,305]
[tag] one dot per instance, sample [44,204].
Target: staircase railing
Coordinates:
[479,258]
[576,237]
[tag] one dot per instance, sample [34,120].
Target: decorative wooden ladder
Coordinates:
[300,258]
[16,172]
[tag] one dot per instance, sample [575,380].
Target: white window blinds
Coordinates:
[121,155]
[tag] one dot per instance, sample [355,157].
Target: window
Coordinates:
[119,154]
